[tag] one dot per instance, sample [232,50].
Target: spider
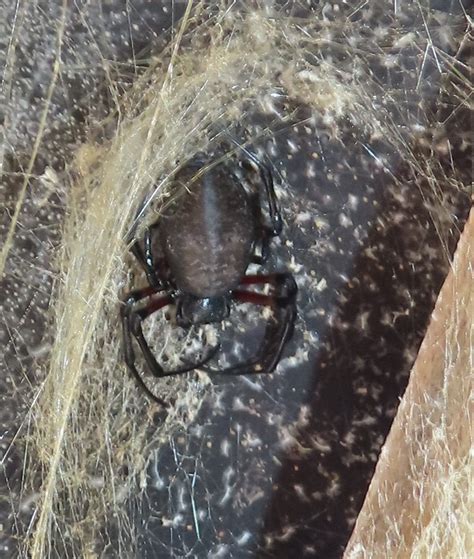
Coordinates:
[206,239]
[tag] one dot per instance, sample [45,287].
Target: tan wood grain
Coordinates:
[420,501]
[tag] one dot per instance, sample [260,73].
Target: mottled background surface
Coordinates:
[276,466]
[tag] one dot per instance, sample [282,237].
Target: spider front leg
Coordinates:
[132,319]
[278,332]
[129,327]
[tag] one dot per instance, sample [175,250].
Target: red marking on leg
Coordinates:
[252,279]
[146,292]
[154,305]
[254,298]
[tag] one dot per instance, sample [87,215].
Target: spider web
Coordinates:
[362,113]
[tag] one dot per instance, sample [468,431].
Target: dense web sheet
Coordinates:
[362,112]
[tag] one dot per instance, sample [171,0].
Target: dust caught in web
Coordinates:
[102,106]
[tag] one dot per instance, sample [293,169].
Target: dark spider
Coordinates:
[207,238]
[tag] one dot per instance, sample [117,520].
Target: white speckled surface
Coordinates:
[276,466]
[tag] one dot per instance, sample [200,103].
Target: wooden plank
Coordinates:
[420,502]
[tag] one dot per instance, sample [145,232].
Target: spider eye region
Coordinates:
[194,310]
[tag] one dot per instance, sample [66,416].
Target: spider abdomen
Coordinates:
[207,235]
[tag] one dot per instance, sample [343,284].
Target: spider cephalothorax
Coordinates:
[207,238]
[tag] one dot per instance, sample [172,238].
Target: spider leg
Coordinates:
[126,313]
[272,200]
[132,326]
[147,261]
[277,333]
[273,206]
[262,246]
[155,368]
